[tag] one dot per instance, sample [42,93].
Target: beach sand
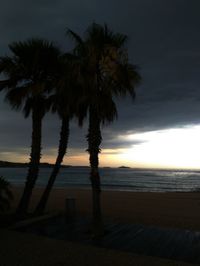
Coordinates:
[176,210]
[180,210]
[20,249]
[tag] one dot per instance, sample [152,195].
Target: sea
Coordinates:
[120,179]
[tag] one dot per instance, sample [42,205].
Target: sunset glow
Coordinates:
[171,148]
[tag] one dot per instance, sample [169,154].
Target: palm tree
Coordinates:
[30,72]
[63,102]
[5,195]
[107,73]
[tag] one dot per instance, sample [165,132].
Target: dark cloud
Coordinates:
[164,43]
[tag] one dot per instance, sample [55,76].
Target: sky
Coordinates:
[161,128]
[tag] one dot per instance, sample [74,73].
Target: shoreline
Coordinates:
[168,209]
[103,189]
[107,189]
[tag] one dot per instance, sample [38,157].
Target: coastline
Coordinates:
[169,209]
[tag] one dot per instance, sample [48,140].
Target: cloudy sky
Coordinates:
[161,127]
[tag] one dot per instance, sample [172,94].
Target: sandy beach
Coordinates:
[169,210]
[29,250]
[177,210]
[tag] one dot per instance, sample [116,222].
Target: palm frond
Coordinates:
[16,97]
[31,71]
[6,64]
[74,36]
[6,84]
[109,111]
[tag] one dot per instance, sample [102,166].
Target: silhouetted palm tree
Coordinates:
[5,195]
[30,72]
[107,73]
[64,103]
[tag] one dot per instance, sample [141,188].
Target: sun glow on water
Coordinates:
[174,148]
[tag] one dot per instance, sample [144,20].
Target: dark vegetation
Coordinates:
[5,195]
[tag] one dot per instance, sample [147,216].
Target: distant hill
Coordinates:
[5,164]
[25,165]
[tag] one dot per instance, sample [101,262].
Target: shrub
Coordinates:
[6,195]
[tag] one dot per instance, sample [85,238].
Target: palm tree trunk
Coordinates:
[94,140]
[35,156]
[64,136]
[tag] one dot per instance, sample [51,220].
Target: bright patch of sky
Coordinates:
[171,148]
